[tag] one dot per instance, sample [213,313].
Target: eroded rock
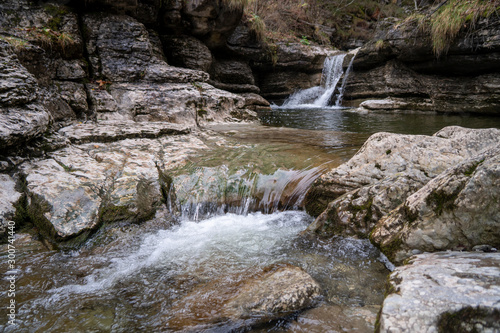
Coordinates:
[384,172]
[444,292]
[456,210]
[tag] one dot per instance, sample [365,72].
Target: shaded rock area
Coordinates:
[399,71]
[274,293]
[444,292]
[389,168]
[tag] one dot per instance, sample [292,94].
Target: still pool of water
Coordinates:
[138,278]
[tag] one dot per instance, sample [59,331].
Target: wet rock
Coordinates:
[273,294]
[385,171]
[188,52]
[255,102]
[77,188]
[444,292]
[276,294]
[282,84]
[8,198]
[326,318]
[456,210]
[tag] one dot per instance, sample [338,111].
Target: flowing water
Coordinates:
[240,202]
[323,95]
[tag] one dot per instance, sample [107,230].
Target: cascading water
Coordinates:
[322,95]
[170,275]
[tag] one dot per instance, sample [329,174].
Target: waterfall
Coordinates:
[214,191]
[321,95]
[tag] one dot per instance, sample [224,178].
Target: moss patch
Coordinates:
[442,201]
[468,318]
[391,248]
[470,170]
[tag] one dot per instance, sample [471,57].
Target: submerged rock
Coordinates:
[277,293]
[444,292]
[386,170]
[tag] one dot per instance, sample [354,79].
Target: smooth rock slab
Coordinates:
[110,131]
[439,283]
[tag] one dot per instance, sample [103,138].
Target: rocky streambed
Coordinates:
[167,231]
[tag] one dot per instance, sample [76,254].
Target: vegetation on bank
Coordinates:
[339,22]
[444,21]
[326,22]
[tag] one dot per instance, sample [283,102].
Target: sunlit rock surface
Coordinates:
[77,188]
[384,172]
[444,292]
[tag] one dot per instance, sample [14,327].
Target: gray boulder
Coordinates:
[456,210]
[386,170]
[443,292]
[8,198]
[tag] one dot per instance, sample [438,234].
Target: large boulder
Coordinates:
[386,170]
[114,172]
[456,210]
[444,292]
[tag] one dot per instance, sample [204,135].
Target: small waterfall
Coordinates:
[322,95]
[210,191]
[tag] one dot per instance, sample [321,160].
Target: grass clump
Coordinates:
[451,17]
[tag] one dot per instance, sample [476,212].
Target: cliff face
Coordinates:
[398,70]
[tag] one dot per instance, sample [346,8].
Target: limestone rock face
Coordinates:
[444,292]
[385,171]
[274,294]
[456,210]
[22,116]
[400,64]
[188,52]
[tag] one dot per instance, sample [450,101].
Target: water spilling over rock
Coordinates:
[324,94]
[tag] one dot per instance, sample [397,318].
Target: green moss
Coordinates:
[441,201]
[388,152]
[465,320]
[378,166]
[472,168]
[408,214]
[391,248]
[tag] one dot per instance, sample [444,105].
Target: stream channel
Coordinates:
[240,213]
